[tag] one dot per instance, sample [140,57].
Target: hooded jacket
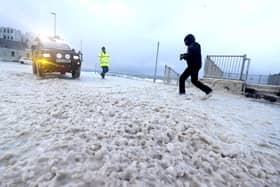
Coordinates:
[193,55]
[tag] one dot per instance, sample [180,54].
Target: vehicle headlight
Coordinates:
[67,56]
[46,55]
[58,55]
[76,57]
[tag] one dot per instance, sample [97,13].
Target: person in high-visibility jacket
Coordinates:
[104,59]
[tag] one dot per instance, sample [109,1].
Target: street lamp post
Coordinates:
[54,14]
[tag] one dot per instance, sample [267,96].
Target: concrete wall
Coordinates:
[236,86]
[233,86]
[265,88]
[211,70]
[6,54]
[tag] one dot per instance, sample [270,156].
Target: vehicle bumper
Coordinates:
[50,66]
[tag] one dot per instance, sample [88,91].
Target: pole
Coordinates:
[81,50]
[155,74]
[242,67]
[248,65]
[95,68]
[53,13]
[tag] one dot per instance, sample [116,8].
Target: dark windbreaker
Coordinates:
[193,56]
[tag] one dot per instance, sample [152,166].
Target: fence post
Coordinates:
[95,70]
[155,74]
[206,66]
[168,75]
[165,73]
[247,70]
[242,66]
[260,77]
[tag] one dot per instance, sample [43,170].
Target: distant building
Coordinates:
[11,50]
[9,33]
[12,45]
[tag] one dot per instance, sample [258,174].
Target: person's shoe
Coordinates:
[102,75]
[186,96]
[207,96]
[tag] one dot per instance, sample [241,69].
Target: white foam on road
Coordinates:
[122,132]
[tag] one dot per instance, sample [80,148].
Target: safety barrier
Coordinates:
[234,67]
[170,75]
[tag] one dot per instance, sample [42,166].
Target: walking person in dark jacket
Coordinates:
[193,58]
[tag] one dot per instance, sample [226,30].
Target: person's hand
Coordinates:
[182,56]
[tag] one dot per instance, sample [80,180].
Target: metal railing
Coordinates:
[234,67]
[264,79]
[274,79]
[257,79]
[170,75]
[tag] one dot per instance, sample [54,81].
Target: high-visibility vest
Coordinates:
[104,59]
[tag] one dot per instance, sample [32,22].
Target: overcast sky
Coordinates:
[130,29]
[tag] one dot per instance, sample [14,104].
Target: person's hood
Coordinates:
[189,39]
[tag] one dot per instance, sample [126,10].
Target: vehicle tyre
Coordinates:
[34,68]
[39,70]
[76,73]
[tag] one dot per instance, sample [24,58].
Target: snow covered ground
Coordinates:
[126,132]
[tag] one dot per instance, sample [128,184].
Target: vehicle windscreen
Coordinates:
[54,44]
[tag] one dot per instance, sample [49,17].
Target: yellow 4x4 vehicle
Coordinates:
[54,55]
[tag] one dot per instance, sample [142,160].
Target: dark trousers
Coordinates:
[105,69]
[193,72]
